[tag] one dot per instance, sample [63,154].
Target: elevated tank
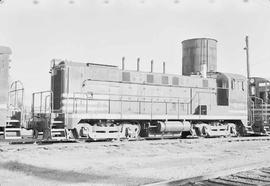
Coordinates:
[199,56]
[4,75]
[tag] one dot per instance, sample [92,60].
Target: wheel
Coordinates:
[232,129]
[204,129]
[131,130]
[185,134]
[72,134]
[83,130]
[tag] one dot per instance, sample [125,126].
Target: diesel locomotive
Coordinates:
[99,101]
[259,108]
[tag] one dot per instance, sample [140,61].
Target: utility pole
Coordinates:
[247,53]
[248,69]
[250,120]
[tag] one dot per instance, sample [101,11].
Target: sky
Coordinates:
[103,31]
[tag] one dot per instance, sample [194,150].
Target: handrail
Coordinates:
[91,97]
[16,89]
[44,96]
[90,94]
[261,108]
[86,97]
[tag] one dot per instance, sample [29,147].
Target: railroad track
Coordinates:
[252,177]
[237,139]
[228,139]
[253,174]
[188,140]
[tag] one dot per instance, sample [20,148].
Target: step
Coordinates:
[12,133]
[13,121]
[56,122]
[58,134]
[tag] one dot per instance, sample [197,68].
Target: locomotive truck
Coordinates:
[99,101]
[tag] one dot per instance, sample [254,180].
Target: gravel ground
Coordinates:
[124,163]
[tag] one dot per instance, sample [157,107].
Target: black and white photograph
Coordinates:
[134,92]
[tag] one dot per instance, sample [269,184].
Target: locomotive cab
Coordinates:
[231,103]
[222,90]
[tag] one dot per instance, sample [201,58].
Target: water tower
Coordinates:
[199,56]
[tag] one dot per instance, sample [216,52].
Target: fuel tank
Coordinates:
[173,126]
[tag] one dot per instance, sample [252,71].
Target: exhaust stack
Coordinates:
[163,67]
[152,66]
[123,63]
[138,64]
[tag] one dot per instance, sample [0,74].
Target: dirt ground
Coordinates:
[124,163]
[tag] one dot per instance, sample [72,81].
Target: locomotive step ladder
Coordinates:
[53,132]
[11,131]
[57,132]
[42,105]
[2,132]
